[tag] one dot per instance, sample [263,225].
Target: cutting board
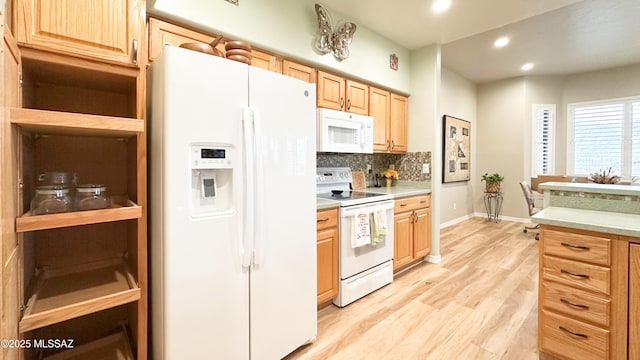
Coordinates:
[358,181]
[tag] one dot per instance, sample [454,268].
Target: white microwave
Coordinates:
[343,132]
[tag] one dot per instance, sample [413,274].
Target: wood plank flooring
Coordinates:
[480,302]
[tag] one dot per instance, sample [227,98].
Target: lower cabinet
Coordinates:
[327,248]
[634,301]
[412,228]
[585,309]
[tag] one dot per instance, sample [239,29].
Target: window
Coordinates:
[604,135]
[542,139]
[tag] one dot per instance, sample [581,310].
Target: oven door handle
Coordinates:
[370,207]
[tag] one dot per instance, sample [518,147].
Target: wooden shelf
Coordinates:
[69,292]
[112,347]
[28,222]
[65,123]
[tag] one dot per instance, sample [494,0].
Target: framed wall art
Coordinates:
[456,149]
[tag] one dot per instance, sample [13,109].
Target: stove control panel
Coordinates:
[333,175]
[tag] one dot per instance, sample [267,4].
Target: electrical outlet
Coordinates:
[455,206]
[425,168]
[368,168]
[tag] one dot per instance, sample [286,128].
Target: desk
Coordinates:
[493,205]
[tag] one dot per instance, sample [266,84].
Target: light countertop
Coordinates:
[398,191]
[592,188]
[322,204]
[602,221]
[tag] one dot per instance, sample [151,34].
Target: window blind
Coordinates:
[598,138]
[543,140]
[635,139]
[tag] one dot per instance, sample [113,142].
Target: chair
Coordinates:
[528,195]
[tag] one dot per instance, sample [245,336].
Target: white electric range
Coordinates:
[363,267]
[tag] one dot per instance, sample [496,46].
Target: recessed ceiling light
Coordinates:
[500,42]
[527,67]
[440,6]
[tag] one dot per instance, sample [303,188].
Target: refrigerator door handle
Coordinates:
[260,229]
[249,185]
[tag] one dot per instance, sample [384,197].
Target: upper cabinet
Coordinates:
[299,71]
[334,92]
[104,30]
[389,112]
[161,33]
[265,61]
[398,123]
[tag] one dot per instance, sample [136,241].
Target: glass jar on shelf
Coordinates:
[91,197]
[51,199]
[59,178]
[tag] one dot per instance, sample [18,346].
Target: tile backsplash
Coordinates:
[409,165]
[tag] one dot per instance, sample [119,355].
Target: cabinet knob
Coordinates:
[341,102]
[388,145]
[393,144]
[348,104]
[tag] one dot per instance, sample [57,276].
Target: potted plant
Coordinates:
[389,175]
[493,182]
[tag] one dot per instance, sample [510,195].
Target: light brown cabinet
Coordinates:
[299,71]
[583,310]
[389,112]
[82,274]
[327,247]
[265,61]
[412,228]
[10,248]
[105,30]
[398,123]
[634,300]
[162,32]
[335,92]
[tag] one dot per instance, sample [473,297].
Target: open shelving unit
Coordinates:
[68,292]
[83,273]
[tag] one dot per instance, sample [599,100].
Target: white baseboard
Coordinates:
[455,221]
[506,218]
[434,259]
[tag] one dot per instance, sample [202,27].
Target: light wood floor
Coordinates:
[480,302]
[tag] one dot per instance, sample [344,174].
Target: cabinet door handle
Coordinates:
[584,336]
[582,276]
[403,205]
[575,247]
[423,202]
[415,217]
[348,104]
[341,102]
[323,220]
[388,144]
[135,51]
[572,304]
[393,144]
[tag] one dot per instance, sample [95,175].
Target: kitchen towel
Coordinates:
[378,226]
[361,234]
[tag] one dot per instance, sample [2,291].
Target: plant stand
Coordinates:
[493,205]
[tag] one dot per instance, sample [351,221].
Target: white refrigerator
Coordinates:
[232,209]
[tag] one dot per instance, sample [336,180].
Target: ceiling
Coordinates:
[557,36]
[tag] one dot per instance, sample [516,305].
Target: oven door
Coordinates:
[359,259]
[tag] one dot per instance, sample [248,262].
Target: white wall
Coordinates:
[289,28]
[425,129]
[501,120]
[458,99]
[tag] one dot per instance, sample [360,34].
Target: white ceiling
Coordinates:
[558,36]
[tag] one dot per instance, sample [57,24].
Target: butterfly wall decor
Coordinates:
[333,41]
